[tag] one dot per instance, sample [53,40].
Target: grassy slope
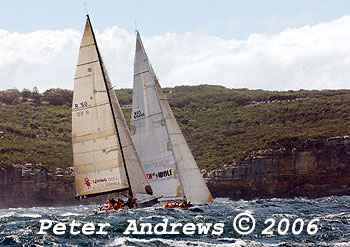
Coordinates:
[219,124]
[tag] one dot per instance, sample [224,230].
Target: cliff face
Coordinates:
[316,168]
[30,185]
[319,167]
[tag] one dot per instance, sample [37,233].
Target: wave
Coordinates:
[10,214]
[30,215]
[69,214]
[126,241]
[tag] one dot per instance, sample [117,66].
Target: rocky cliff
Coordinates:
[311,168]
[31,185]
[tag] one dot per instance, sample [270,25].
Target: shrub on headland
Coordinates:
[10,96]
[57,96]
[220,124]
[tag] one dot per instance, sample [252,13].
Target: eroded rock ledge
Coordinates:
[31,185]
[315,168]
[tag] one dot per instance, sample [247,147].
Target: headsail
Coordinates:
[162,148]
[105,159]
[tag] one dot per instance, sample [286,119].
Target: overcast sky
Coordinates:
[273,45]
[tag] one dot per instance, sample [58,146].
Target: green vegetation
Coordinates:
[35,134]
[221,125]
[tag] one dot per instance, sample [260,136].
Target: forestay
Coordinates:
[164,153]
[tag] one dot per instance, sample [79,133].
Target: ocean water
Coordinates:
[20,226]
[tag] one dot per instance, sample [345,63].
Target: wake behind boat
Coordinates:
[105,158]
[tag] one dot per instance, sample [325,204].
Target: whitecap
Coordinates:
[342,244]
[183,243]
[290,216]
[199,217]
[69,214]
[340,215]
[30,215]
[10,214]
[222,200]
[149,209]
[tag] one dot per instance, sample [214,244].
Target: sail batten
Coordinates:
[159,141]
[104,161]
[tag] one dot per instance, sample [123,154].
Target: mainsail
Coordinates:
[105,159]
[162,148]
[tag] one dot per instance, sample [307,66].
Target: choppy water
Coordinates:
[19,227]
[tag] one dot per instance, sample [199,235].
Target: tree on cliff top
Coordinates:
[36,96]
[10,96]
[57,96]
[26,93]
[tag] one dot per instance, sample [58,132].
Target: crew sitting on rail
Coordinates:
[131,203]
[120,204]
[178,205]
[108,205]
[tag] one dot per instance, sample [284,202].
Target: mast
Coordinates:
[110,103]
[161,110]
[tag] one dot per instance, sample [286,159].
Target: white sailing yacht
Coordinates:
[162,148]
[105,158]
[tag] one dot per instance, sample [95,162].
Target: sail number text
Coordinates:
[82,104]
[82,113]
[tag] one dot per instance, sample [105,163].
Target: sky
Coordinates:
[255,44]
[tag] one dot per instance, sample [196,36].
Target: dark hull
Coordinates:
[148,203]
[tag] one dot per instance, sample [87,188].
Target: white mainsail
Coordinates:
[162,148]
[105,159]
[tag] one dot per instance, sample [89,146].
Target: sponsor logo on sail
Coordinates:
[106,181]
[160,175]
[103,180]
[87,182]
[138,114]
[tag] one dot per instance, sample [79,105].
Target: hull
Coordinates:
[148,203]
